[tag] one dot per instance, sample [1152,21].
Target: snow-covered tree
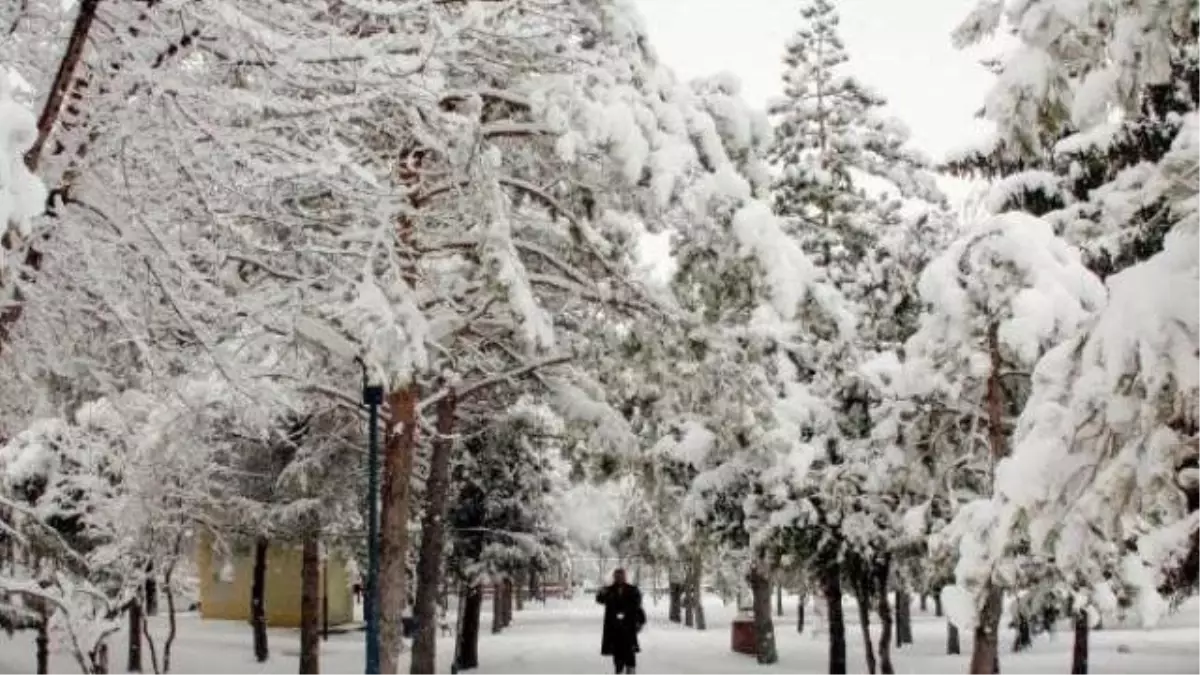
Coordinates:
[999,296]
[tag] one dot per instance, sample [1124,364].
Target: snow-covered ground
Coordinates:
[564,637]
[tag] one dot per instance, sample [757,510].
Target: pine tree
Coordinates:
[1076,129]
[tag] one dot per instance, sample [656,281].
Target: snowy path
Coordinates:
[564,637]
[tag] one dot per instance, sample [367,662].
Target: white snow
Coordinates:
[563,636]
[22,195]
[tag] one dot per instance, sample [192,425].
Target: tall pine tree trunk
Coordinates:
[862,596]
[258,600]
[885,618]
[1079,652]
[953,644]
[399,448]
[904,634]
[433,538]
[468,635]
[508,601]
[310,600]
[764,628]
[1024,639]
[803,598]
[497,605]
[674,595]
[985,653]
[42,645]
[134,656]
[150,591]
[696,589]
[831,587]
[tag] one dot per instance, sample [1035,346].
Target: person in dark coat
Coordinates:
[623,619]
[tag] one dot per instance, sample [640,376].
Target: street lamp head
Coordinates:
[372,394]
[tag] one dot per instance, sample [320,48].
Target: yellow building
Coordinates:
[225,585]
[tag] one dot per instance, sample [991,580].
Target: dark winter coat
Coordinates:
[623,618]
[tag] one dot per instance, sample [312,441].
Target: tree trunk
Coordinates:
[99,659]
[764,628]
[831,587]
[258,602]
[151,593]
[689,606]
[172,625]
[904,634]
[674,602]
[508,601]
[953,645]
[134,657]
[497,606]
[42,645]
[399,448]
[885,618]
[468,634]
[310,601]
[862,596]
[937,604]
[924,603]
[779,599]
[1079,653]
[696,592]
[800,611]
[985,653]
[1024,639]
[433,538]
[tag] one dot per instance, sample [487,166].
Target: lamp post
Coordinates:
[372,398]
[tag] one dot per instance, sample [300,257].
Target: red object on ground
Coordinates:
[742,635]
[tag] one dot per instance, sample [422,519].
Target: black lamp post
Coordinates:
[372,398]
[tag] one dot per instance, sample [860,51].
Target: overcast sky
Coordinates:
[901,48]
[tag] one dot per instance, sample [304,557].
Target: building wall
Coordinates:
[225,585]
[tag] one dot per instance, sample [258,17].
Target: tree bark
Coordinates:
[42,646]
[172,626]
[831,586]
[508,601]
[1024,639]
[151,593]
[497,606]
[675,602]
[310,601]
[937,604]
[764,627]
[468,636]
[862,596]
[985,653]
[696,592]
[885,618]
[800,611]
[433,538]
[953,644]
[924,603]
[904,634]
[779,599]
[258,603]
[134,657]
[399,448]
[1079,652]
